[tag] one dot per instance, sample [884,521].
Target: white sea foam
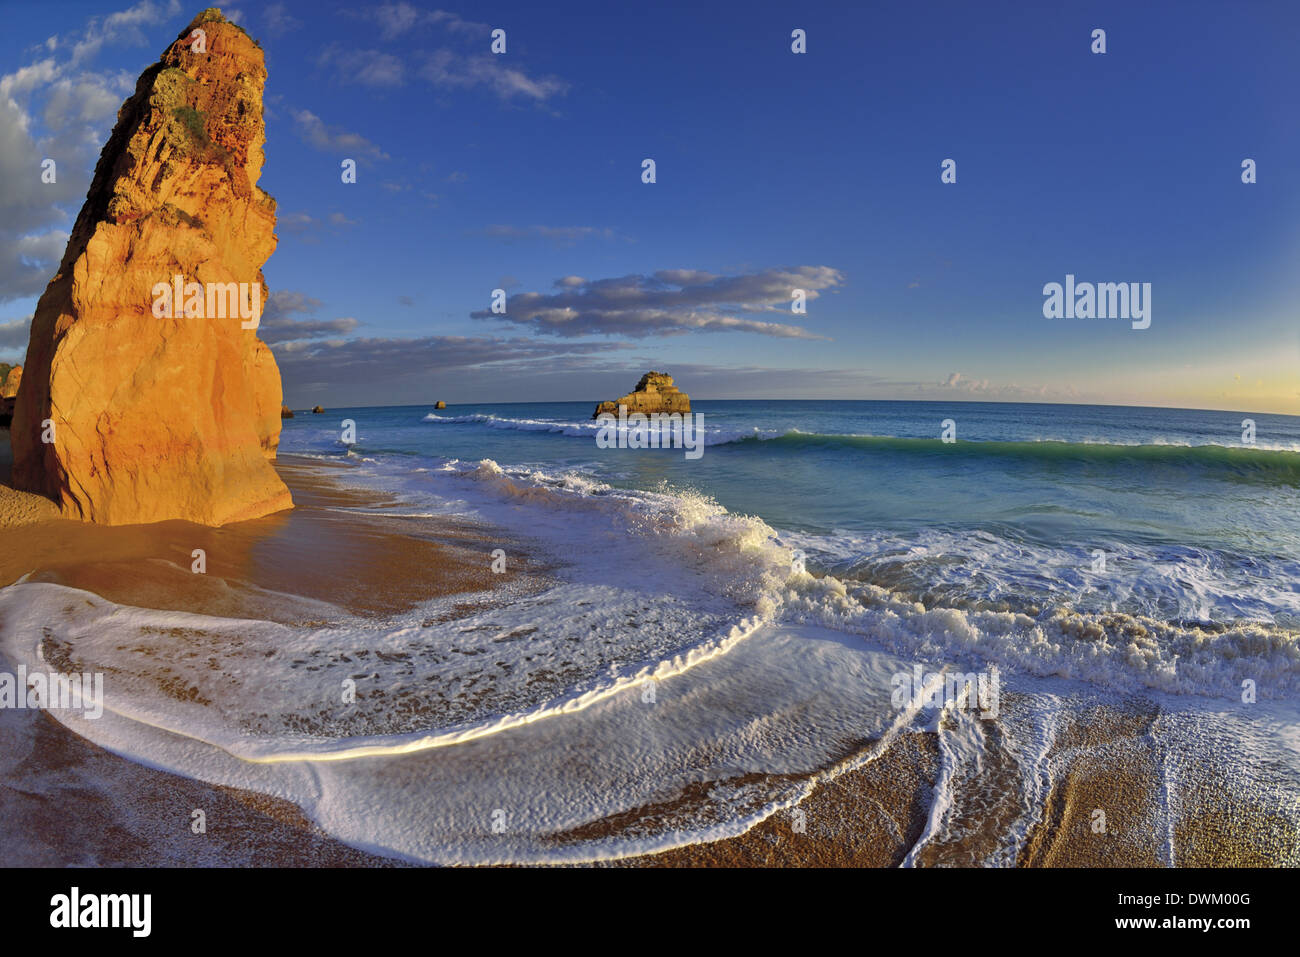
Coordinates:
[712,435]
[978,568]
[269,692]
[536,707]
[1124,649]
[434,676]
[729,716]
[1161,635]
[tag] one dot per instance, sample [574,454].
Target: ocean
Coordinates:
[1194,525]
[718,635]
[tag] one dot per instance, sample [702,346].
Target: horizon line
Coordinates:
[1079,405]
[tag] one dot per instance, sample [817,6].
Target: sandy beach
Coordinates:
[65,801]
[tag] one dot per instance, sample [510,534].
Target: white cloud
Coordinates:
[448,69]
[396,20]
[308,227]
[560,235]
[33,229]
[669,302]
[465,64]
[279,326]
[277,20]
[123,27]
[58,108]
[367,67]
[14,335]
[371,361]
[332,139]
[957,384]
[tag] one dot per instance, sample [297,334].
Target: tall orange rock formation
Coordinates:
[124,417]
[654,393]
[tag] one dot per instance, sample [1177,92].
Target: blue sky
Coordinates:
[523,171]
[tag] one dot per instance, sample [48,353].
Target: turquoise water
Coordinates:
[1193,523]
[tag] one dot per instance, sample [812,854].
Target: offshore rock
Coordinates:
[654,393]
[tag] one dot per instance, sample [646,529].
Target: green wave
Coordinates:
[1265,464]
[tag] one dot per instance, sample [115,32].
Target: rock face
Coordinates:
[162,418]
[8,394]
[654,393]
[10,388]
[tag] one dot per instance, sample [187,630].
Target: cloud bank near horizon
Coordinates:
[669,302]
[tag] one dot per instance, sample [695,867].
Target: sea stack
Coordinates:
[127,416]
[9,389]
[654,393]
[9,394]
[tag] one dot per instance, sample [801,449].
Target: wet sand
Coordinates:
[867,817]
[65,801]
[365,562]
[19,508]
[1106,760]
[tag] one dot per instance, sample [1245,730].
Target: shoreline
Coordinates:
[129,814]
[19,508]
[362,561]
[126,813]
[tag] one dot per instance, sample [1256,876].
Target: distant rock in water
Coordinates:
[654,393]
[316,410]
[9,394]
[155,418]
[440,404]
[286,412]
[10,388]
